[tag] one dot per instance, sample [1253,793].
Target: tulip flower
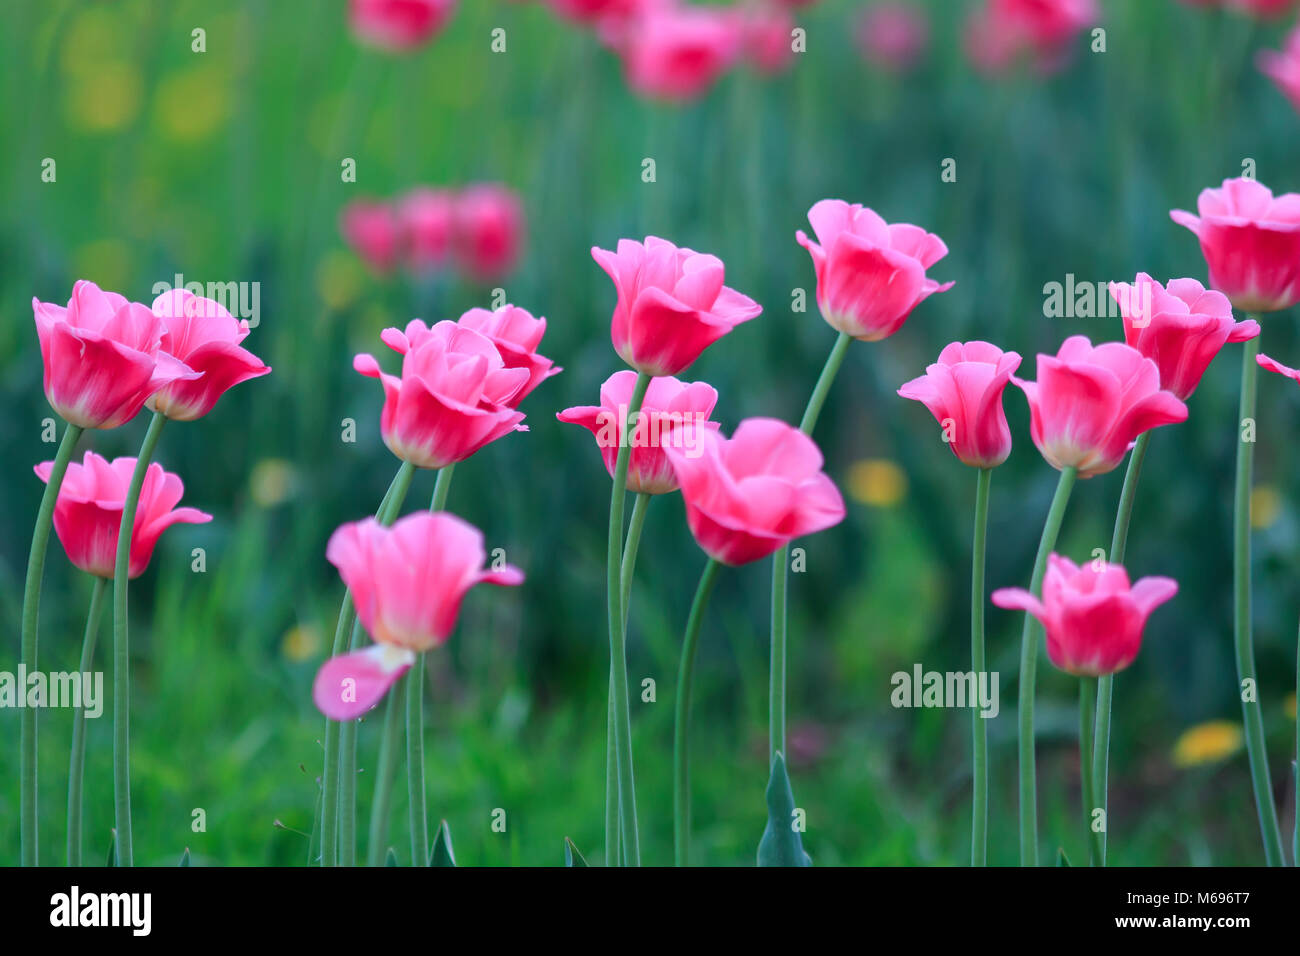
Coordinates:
[427,218]
[594,11]
[516,335]
[374,232]
[1284,68]
[489,230]
[408,582]
[398,25]
[892,36]
[676,53]
[672,304]
[870,274]
[999,32]
[88,513]
[768,40]
[673,411]
[452,398]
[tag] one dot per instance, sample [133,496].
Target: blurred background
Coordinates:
[224,165]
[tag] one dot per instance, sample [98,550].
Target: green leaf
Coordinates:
[781,844]
[390,858]
[441,853]
[571,855]
[1061,858]
[112,850]
[185,858]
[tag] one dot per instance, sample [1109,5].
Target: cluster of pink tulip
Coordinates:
[480,229]
[105,359]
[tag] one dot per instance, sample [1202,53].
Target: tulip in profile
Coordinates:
[870,274]
[517,336]
[408,582]
[398,25]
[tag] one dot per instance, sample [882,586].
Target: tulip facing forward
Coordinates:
[1181,328]
[870,274]
[408,582]
[751,494]
[1093,618]
[963,390]
[454,395]
[1251,243]
[673,411]
[88,513]
[103,356]
[672,304]
[203,335]
[1090,404]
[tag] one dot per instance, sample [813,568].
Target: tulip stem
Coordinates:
[979,729]
[31,612]
[1248,684]
[122,648]
[617,633]
[379,809]
[442,487]
[333,728]
[781,564]
[1106,684]
[682,722]
[77,760]
[1088,801]
[1028,669]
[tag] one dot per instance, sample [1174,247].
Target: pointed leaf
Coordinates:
[112,850]
[441,853]
[390,858]
[1061,858]
[185,858]
[781,844]
[571,855]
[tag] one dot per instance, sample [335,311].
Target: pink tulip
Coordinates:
[88,512]
[1264,9]
[1090,404]
[594,11]
[453,396]
[399,24]
[963,391]
[203,335]
[1093,618]
[1181,328]
[427,220]
[1251,243]
[992,45]
[103,356]
[673,411]
[870,275]
[489,230]
[673,52]
[374,232]
[747,496]
[408,582]
[768,29]
[1284,68]
[893,36]
[672,304]
[517,335]
[1048,24]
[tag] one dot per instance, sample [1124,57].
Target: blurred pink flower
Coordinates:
[673,52]
[1001,32]
[427,219]
[892,35]
[768,30]
[398,24]
[489,230]
[1284,68]
[1264,9]
[374,232]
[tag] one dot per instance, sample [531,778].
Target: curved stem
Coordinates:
[122,649]
[979,728]
[1028,671]
[442,487]
[384,773]
[27,813]
[1106,685]
[781,565]
[1243,642]
[617,632]
[77,760]
[1088,801]
[682,721]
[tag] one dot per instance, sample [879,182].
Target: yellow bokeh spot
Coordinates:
[272,482]
[877,482]
[1265,506]
[339,279]
[1207,743]
[106,262]
[300,643]
[192,105]
[1290,706]
[104,98]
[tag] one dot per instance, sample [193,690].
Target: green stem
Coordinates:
[979,728]
[419,816]
[385,771]
[442,487]
[77,760]
[781,564]
[1028,670]
[617,633]
[122,649]
[1106,685]
[31,612]
[682,723]
[1087,717]
[1241,632]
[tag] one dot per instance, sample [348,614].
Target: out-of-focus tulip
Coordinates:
[1000,32]
[1251,243]
[452,398]
[88,512]
[1181,328]
[963,390]
[1094,619]
[408,582]
[427,219]
[517,336]
[399,24]
[748,495]
[870,274]
[673,411]
[675,52]
[893,36]
[769,43]
[1090,404]
[489,230]
[203,335]
[103,356]
[1264,9]
[374,232]
[672,304]
[1283,68]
